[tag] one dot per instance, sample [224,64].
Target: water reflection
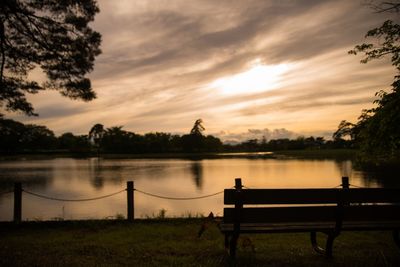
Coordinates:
[385,178]
[85,178]
[345,167]
[100,173]
[31,175]
[197,171]
[95,173]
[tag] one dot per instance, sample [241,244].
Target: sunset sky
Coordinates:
[247,68]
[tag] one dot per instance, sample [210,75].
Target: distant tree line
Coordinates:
[16,137]
[300,143]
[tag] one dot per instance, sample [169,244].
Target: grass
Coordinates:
[174,242]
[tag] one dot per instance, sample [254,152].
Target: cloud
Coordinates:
[259,134]
[160,58]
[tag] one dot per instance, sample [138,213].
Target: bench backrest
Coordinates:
[312,196]
[312,205]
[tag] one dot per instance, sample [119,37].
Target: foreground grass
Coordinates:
[174,242]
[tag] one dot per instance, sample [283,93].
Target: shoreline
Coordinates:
[280,154]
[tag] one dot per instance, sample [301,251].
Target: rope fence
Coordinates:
[178,198]
[130,189]
[356,186]
[72,200]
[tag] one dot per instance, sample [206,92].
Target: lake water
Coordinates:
[72,178]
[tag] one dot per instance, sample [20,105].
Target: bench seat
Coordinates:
[277,227]
[300,227]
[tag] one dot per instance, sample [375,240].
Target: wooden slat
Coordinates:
[282,214]
[370,225]
[279,227]
[283,196]
[371,213]
[314,196]
[308,226]
[372,195]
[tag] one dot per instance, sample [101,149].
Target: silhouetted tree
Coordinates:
[67,141]
[96,134]
[195,141]
[82,144]
[157,142]
[10,135]
[117,140]
[345,128]
[385,6]
[17,137]
[378,129]
[212,144]
[38,137]
[198,127]
[53,35]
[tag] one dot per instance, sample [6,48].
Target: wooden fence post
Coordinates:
[238,183]
[238,210]
[17,202]
[345,182]
[130,199]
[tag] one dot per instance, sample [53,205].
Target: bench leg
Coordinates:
[396,237]
[226,241]
[329,244]
[314,243]
[233,244]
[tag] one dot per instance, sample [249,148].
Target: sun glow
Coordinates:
[258,78]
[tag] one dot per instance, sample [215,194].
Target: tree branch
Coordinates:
[3,56]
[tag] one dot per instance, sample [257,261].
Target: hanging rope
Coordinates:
[72,200]
[356,186]
[178,198]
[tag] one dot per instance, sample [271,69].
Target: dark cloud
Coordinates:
[55,111]
[170,37]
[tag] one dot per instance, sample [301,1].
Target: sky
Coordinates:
[248,69]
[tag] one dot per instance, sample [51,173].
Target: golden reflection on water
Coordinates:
[85,178]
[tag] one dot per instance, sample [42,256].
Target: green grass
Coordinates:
[174,242]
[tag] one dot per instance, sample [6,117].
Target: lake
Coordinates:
[72,178]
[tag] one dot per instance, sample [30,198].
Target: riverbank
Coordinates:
[175,242]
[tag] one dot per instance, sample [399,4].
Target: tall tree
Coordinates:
[50,34]
[345,128]
[378,129]
[198,127]
[96,134]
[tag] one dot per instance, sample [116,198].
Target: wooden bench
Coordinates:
[329,211]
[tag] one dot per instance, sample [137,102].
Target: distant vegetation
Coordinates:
[16,137]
